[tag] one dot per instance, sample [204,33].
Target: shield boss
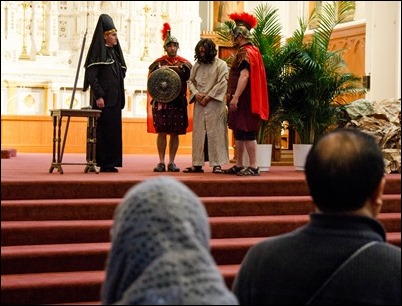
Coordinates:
[164,85]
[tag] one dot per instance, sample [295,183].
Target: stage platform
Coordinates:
[56,227]
[29,169]
[24,165]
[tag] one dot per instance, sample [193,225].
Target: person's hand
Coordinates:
[199,97]
[100,103]
[204,100]
[233,104]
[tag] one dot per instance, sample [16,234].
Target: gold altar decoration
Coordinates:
[24,55]
[145,55]
[44,48]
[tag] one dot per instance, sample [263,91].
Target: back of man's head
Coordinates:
[343,169]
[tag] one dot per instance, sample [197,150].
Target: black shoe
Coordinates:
[108,169]
[217,169]
[160,168]
[233,170]
[249,171]
[172,168]
[195,169]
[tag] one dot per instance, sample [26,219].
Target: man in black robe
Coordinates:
[105,70]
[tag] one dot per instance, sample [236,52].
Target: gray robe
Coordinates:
[211,120]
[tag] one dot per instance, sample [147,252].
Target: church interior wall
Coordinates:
[43,41]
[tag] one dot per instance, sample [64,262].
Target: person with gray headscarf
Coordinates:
[160,252]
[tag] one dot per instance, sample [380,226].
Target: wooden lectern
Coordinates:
[58,149]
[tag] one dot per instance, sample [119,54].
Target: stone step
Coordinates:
[56,231]
[24,259]
[80,231]
[66,287]
[83,287]
[103,209]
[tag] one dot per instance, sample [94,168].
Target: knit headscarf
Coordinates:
[160,250]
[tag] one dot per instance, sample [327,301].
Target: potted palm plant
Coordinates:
[323,81]
[268,38]
[307,82]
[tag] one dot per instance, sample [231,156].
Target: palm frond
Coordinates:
[306,81]
[225,30]
[321,77]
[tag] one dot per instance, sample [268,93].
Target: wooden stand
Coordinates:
[58,149]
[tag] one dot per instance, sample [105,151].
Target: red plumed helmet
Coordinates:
[245,19]
[166,36]
[165,30]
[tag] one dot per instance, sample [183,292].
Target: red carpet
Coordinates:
[55,227]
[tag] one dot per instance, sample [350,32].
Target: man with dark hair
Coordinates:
[343,170]
[105,70]
[341,256]
[208,85]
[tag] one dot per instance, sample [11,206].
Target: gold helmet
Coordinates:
[167,37]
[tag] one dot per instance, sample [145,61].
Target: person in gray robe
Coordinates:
[208,85]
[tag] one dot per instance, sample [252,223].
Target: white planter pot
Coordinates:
[264,154]
[300,152]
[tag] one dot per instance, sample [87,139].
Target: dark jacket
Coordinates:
[290,268]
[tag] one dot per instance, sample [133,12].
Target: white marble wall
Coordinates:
[66,23]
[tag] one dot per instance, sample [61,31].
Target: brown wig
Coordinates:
[210,51]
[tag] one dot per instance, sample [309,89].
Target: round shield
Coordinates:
[164,85]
